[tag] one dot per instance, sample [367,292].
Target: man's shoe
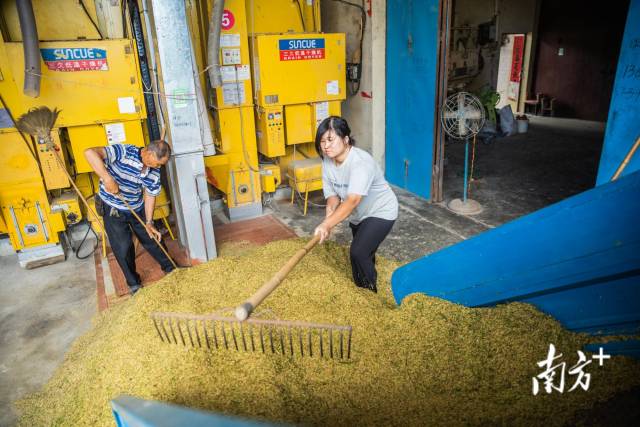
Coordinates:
[134,289]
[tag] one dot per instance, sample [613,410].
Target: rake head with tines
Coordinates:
[272,337]
[242,333]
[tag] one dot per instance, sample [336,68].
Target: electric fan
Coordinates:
[462,117]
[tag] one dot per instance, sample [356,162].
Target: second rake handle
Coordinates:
[246,308]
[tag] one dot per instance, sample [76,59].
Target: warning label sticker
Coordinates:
[301,49]
[233,94]
[75,59]
[231,73]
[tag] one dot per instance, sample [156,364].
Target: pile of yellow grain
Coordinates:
[426,362]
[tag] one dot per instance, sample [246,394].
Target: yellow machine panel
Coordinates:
[52,171]
[29,218]
[235,67]
[23,198]
[109,90]
[83,137]
[68,204]
[300,68]
[302,120]
[322,110]
[306,174]
[59,20]
[271,138]
[88,184]
[17,165]
[237,130]
[270,177]
[298,119]
[243,183]
[283,16]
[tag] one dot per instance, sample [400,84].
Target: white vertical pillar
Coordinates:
[109,13]
[378,71]
[186,168]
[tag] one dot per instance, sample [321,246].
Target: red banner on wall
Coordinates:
[516,60]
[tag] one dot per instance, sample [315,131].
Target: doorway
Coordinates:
[514,51]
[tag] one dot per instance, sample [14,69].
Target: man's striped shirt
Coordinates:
[124,164]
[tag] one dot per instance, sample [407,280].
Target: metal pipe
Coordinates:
[203,114]
[41,218]
[466,168]
[213,44]
[30,46]
[16,226]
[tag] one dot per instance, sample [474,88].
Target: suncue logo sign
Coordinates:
[75,59]
[301,49]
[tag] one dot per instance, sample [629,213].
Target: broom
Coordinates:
[38,123]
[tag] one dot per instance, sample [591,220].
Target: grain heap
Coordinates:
[426,362]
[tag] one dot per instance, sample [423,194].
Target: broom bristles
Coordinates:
[38,121]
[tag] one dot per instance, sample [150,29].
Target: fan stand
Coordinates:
[465,206]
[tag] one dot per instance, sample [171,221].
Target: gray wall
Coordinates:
[365,113]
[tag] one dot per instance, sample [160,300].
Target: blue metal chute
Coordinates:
[130,411]
[577,260]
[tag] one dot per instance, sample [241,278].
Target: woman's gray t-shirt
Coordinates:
[360,174]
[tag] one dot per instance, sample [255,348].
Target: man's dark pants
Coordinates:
[119,230]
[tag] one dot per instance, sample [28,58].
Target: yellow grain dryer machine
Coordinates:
[94,78]
[108,67]
[280,78]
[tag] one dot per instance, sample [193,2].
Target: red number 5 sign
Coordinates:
[228,20]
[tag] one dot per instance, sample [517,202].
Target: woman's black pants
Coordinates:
[367,236]
[120,227]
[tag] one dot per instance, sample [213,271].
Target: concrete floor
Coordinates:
[42,312]
[45,309]
[515,175]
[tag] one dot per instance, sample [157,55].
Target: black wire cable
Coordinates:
[76,251]
[362,29]
[125,28]
[90,18]
[72,161]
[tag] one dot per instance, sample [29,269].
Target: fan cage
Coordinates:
[462,116]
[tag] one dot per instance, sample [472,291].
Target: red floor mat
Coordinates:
[260,231]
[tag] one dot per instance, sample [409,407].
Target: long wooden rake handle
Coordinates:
[246,308]
[144,225]
[628,157]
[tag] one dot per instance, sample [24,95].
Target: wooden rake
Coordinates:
[250,334]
